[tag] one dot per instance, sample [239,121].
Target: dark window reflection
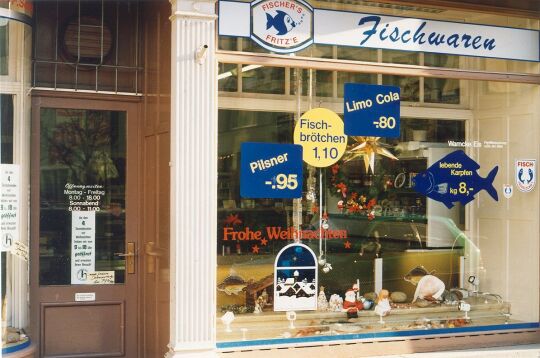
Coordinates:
[6,128]
[441,90]
[257,79]
[410,86]
[228,77]
[321,83]
[6,153]
[4,48]
[349,77]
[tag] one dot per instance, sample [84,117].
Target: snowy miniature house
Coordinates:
[295,279]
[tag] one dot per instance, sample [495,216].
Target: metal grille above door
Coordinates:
[87,45]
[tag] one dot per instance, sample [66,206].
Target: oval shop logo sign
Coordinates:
[282,26]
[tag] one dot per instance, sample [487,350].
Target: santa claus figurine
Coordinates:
[351,305]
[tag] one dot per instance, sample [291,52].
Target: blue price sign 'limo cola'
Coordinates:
[453,179]
[270,170]
[371,110]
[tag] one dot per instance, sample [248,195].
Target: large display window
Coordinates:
[394,254]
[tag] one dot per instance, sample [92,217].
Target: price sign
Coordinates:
[320,133]
[453,179]
[371,110]
[269,170]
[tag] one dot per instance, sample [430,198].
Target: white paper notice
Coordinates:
[9,206]
[83,251]
[101,277]
[20,250]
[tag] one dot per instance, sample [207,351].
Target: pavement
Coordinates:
[524,351]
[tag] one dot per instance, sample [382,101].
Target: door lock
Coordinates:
[152,251]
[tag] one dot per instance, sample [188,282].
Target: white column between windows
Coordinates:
[193,179]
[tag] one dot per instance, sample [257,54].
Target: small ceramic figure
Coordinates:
[259,304]
[264,297]
[335,303]
[383,305]
[322,302]
[257,308]
[351,305]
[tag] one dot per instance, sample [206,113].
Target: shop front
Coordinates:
[293,177]
[84,136]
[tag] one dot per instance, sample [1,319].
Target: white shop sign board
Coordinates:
[260,20]
[9,206]
[83,246]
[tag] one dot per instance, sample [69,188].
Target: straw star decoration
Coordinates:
[366,148]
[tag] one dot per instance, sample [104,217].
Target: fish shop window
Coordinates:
[424,233]
[419,233]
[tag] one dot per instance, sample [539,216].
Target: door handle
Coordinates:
[121,254]
[129,256]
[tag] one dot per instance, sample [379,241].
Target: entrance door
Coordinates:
[85,237]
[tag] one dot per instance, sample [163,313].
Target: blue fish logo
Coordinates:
[282,22]
[453,179]
[526,177]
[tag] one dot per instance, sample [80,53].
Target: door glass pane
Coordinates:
[6,157]
[82,195]
[6,128]
[4,46]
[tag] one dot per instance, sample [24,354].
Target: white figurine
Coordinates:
[257,308]
[429,288]
[383,305]
[322,302]
[335,303]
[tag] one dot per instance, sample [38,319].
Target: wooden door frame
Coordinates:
[88,101]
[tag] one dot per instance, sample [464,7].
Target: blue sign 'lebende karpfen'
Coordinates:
[453,179]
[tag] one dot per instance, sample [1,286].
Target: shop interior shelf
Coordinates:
[268,325]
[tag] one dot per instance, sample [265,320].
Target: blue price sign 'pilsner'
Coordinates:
[371,110]
[269,170]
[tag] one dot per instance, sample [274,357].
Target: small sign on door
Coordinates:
[9,206]
[101,277]
[85,296]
